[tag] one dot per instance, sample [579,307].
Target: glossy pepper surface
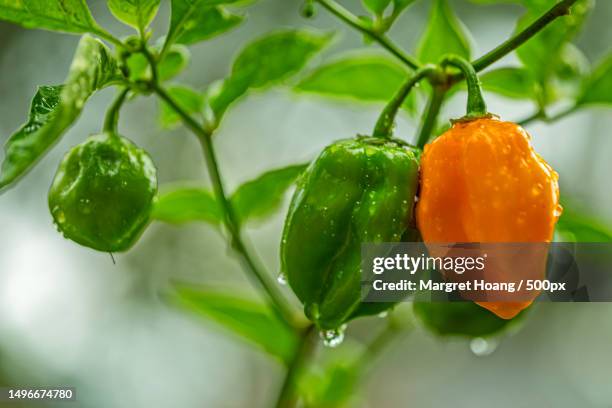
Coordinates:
[102,193]
[482,181]
[357,191]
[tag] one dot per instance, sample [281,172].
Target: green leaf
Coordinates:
[579,226]
[542,52]
[135,13]
[184,204]
[72,16]
[597,88]
[54,109]
[360,77]
[517,83]
[266,61]
[175,61]
[465,319]
[444,35]
[244,317]
[263,195]
[334,381]
[208,23]
[400,5]
[198,20]
[276,56]
[376,7]
[189,99]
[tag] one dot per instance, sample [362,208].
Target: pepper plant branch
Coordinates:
[476,106]
[105,35]
[558,10]
[279,303]
[431,114]
[111,119]
[384,125]
[381,39]
[541,115]
[288,397]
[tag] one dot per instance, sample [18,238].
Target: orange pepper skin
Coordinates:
[482,181]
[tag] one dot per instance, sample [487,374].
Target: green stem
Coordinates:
[381,39]
[278,302]
[558,10]
[386,120]
[102,33]
[111,119]
[476,106]
[431,114]
[288,397]
[152,62]
[541,115]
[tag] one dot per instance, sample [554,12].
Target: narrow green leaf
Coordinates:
[198,20]
[135,13]
[376,7]
[444,35]
[249,319]
[361,77]
[264,62]
[597,88]
[72,16]
[579,226]
[400,5]
[189,99]
[174,62]
[186,204]
[512,82]
[263,195]
[93,68]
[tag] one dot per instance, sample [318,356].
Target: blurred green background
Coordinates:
[69,316]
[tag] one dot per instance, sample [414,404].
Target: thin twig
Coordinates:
[384,125]
[278,301]
[431,114]
[560,9]
[288,397]
[381,39]
[542,116]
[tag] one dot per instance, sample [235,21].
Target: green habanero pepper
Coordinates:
[357,191]
[103,192]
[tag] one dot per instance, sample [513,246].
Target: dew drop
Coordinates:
[281,278]
[333,338]
[60,217]
[483,347]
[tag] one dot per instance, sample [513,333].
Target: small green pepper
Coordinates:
[357,191]
[102,193]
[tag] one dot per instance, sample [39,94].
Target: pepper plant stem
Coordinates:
[431,114]
[476,106]
[542,116]
[111,119]
[558,10]
[384,125]
[278,302]
[288,397]
[381,39]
